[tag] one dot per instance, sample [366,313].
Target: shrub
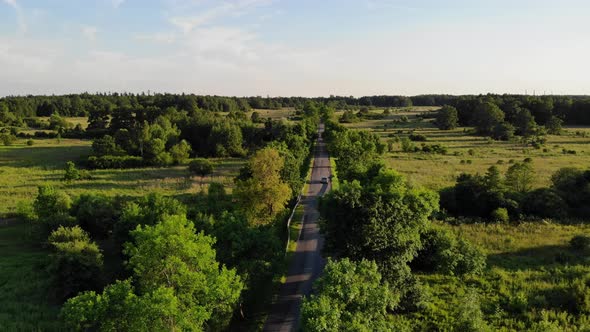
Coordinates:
[30,142]
[107,162]
[96,214]
[500,215]
[580,243]
[417,138]
[71,172]
[7,139]
[545,203]
[76,262]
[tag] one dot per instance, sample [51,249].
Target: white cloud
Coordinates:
[187,23]
[89,32]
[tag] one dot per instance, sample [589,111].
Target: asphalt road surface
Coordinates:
[307,263]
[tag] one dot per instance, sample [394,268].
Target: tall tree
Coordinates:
[264,194]
[447,118]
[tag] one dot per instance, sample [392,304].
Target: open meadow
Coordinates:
[534,276]
[468,153]
[23,168]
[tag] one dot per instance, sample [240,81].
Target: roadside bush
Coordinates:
[580,243]
[108,162]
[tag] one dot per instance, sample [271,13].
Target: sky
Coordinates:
[295,47]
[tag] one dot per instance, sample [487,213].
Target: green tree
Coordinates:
[350,296]
[255,117]
[447,118]
[51,210]
[180,152]
[264,194]
[76,262]
[520,177]
[554,125]
[381,221]
[172,255]
[201,167]
[525,123]
[119,308]
[486,116]
[71,172]
[503,131]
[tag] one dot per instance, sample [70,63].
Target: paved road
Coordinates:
[307,262]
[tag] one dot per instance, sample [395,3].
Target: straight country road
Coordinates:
[307,263]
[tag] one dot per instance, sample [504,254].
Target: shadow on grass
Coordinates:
[537,257]
[48,156]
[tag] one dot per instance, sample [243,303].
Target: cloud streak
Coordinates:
[20,18]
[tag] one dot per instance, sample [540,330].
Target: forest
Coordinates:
[168,212]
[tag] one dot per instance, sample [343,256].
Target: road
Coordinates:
[307,263]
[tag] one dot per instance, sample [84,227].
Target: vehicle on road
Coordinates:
[324,180]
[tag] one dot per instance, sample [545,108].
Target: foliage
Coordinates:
[443,252]
[573,185]
[264,194]
[52,210]
[500,215]
[469,315]
[350,296]
[447,118]
[485,117]
[119,308]
[109,162]
[96,214]
[201,167]
[76,262]
[172,255]
[544,202]
[580,243]
[180,152]
[520,177]
[381,221]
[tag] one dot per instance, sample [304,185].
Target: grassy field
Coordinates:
[24,283]
[477,153]
[23,168]
[531,272]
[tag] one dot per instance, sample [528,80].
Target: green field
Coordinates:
[532,274]
[23,168]
[436,171]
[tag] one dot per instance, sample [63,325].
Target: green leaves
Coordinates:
[350,297]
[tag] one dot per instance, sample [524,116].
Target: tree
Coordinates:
[554,125]
[106,146]
[119,308]
[201,167]
[525,123]
[503,131]
[349,296]
[520,177]
[71,172]
[264,194]
[51,210]
[255,117]
[447,118]
[486,116]
[381,221]
[76,262]
[180,152]
[172,255]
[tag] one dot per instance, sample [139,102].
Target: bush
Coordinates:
[71,172]
[545,203]
[500,215]
[580,243]
[76,262]
[417,138]
[96,214]
[7,139]
[107,162]
[30,142]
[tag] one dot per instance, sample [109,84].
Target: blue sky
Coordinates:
[294,47]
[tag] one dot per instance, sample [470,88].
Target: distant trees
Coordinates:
[447,118]
[264,194]
[485,118]
[349,296]
[201,167]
